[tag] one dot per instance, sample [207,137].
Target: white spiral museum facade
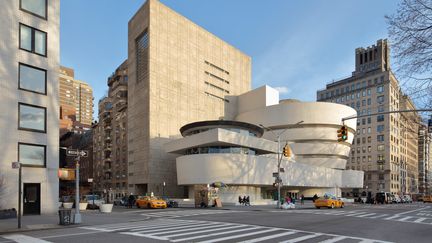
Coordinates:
[239,153]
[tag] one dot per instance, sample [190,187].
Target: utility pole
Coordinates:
[19,194]
[77,199]
[279,159]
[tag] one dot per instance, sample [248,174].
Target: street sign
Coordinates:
[83,153]
[72,152]
[76,152]
[90,179]
[275,174]
[15,165]
[282,170]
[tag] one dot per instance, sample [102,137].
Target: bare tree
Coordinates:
[410,30]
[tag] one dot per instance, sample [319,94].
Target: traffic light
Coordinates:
[342,133]
[287,151]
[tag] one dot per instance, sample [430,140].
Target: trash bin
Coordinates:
[66,217]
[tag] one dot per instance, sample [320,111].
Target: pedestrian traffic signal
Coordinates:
[287,151]
[342,133]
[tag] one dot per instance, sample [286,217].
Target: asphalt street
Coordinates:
[354,223]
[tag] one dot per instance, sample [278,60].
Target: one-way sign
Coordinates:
[76,152]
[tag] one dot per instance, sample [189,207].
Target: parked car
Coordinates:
[123,201]
[150,202]
[383,197]
[396,199]
[427,199]
[407,199]
[94,201]
[329,201]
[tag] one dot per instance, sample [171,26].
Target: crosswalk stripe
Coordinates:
[403,219]
[239,236]
[379,216]
[214,234]
[419,220]
[269,237]
[162,226]
[366,215]
[336,239]
[355,214]
[392,217]
[180,229]
[111,229]
[24,238]
[302,238]
[213,229]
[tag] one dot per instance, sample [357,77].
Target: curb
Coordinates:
[51,227]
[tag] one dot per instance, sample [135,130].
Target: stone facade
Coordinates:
[385,145]
[110,138]
[179,73]
[42,57]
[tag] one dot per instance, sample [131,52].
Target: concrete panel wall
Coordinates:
[10,56]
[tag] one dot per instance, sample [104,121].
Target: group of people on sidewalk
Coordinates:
[289,199]
[244,201]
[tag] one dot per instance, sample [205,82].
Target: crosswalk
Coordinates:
[364,214]
[186,213]
[176,230]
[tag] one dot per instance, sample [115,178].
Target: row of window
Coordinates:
[33,79]
[353,87]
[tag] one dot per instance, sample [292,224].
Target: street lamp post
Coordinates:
[163,189]
[279,158]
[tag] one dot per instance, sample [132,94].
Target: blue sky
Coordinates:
[298,46]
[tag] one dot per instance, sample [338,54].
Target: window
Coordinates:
[369,139]
[141,46]
[381,177]
[32,79]
[364,93]
[369,120]
[380,89]
[32,118]
[380,147]
[32,154]
[369,130]
[380,128]
[380,118]
[368,92]
[369,148]
[33,40]
[381,108]
[380,158]
[369,101]
[35,7]
[380,138]
[380,99]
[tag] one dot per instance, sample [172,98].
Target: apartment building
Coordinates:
[110,137]
[178,73]
[76,101]
[29,114]
[385,145]
[425,160]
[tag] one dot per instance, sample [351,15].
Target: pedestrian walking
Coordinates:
[244,200]
[131,200]
[302,199]
[247,201]
[240,200]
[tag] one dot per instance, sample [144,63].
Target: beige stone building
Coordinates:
[29,110]
[425,160]
[385,145]
[76,99]
[179,73]
[110,138]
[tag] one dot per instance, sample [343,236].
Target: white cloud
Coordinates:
[283,90]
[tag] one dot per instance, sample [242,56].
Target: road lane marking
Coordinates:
[269,237]
[404,219]
[366,215]
[379,216]
[419,220]
[336,239]
[413,211]
[214,234]
[240,236]
[392,217]
[302,238]
[180,229]
[24,238]
[205,231]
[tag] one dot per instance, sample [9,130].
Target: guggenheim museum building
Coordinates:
[241,148]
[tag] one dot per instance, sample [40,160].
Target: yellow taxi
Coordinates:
[150,202]
[427,198]
[329,201]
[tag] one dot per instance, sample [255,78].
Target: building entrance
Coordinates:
[31,198]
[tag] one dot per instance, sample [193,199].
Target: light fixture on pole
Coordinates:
[163,189]
[278,180]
